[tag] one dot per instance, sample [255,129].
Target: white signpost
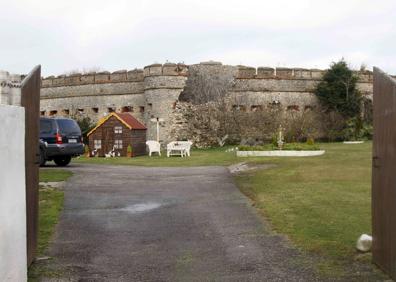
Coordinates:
[157,120]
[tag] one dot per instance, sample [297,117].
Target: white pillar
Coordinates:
[13,253]
[158,139]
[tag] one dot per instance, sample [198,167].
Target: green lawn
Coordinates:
[54,175]
[50,206]
[199,157]
[323,204]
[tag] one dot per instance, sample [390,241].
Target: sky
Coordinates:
[76,35]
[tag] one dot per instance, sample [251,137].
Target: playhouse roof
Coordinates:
[126,118]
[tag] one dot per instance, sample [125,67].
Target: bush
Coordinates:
[274,140]
[299,126]
[267,147]
[356,129]
[310,141]
[333,124]
[367,131]
[300,147]
[85,124]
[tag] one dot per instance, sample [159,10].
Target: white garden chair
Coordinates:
[154,147]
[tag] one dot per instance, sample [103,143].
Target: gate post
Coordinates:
[384,173]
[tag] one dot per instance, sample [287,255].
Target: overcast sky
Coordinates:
[111,35]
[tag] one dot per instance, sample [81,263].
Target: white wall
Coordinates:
[13,258]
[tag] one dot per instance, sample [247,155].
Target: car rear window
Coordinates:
[68,126]
[46,126]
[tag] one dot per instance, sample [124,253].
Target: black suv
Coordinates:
[60,140]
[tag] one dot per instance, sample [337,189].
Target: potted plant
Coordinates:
[129,151]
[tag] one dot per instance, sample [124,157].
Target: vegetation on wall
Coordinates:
[338,91]
[218,116]
[348,112]
[207,89]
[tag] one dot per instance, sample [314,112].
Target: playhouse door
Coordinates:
[107,140]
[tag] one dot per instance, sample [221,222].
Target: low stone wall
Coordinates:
[279,153]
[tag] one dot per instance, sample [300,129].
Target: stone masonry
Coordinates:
[10,88]
[155,90]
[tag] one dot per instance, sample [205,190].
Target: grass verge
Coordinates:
[54,175]
[321,203]
[50,206]
[199,157]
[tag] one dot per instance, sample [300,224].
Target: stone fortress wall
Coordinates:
[154,92]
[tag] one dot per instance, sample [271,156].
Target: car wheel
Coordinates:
[62,161]
[42,159]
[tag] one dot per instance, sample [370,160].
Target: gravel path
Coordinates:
[166,224]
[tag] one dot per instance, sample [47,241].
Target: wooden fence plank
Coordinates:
[384,173]
[30,99]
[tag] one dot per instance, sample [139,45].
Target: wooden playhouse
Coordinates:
[116,132]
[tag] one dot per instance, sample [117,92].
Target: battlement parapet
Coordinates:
[167,69]
[181,70]
[284,73]
[210,63]
[93,78]
[246,72]
[265,72]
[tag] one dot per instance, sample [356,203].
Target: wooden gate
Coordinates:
[30,100]
[384,173]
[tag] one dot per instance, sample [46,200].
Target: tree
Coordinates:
[85,123]
[207,88]
[338,91]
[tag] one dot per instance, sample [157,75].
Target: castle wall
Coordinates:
[291,88]
[163,85]
[154,92]
[93,95]
[94,106]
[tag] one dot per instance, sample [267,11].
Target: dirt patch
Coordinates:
[248,167]
[58,185]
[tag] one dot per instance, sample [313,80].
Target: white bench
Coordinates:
[178,148]
[154,147]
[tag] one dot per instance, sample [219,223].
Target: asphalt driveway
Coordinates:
[166,224]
